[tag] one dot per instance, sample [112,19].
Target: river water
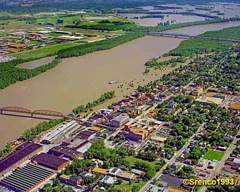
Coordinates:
[78,80]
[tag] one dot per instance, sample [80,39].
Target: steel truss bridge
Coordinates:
[185,36]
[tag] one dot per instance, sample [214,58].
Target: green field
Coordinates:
[45,51]
[211,155]
[132,160]
[125,187]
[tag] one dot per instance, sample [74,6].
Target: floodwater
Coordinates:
[37,63]
[172,18]
[78,80]
[226,10]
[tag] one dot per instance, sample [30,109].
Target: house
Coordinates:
[108,180]
[212,89]
[116,172]
[212,164]
[101,171]
[71,180]
[137,172]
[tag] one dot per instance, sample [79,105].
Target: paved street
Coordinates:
[172,160]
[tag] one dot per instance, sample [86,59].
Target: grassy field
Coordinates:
[42,52]
[132,160]
[126,187]
[211,155]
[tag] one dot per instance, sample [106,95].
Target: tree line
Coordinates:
[10,74]
[104,97]
[98,46]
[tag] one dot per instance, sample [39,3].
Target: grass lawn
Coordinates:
[211,155]
[132,160]
[125,187]
[42,52]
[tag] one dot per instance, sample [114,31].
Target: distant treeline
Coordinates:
[198,45]
[158,64]
[98,46]
[10,74]
[160,28]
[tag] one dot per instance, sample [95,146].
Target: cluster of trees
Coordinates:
[150,156]
[6,151]
[158,64]
[179,25]
[104,97]
[97,46]
[11,74]
[229,33]
[56,187]
[199,46]
[41,127]
[77,166]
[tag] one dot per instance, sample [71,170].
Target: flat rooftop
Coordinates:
[18,154]
[65,151]
[26,178]
[49,161]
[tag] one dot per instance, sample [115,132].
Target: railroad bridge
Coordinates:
[186,36]
[13,110]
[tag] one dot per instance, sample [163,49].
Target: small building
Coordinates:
[101,171]
[71,180]
[120,120]
[235,106]
[18,46]
[212,164]
[59,21]
[159,139]
[137,172]
[116,172]
[108,180]
[212,89]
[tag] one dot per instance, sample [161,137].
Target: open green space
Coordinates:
[132,161]
[45,51]
[211,155]
[126,187]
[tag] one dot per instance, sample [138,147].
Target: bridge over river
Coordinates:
[185,36]
[43,114]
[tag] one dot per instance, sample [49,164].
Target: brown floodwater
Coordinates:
[78,80]
[37,63]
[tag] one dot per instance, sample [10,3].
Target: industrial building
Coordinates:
[120,120]
[50,161]
[64,128]
[26,178]
[66,152]
[18,156]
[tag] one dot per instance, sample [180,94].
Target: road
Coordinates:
[221,163]
[172,160]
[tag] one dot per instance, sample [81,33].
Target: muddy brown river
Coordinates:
[78,80]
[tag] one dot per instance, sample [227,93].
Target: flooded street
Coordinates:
[78,80]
